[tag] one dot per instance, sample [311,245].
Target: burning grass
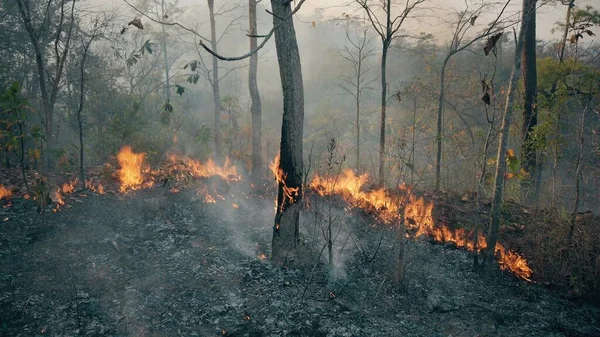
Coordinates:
[417,214]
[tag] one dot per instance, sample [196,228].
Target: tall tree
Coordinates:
[387,29]
[215,80]
[289,169]
[256,107]
[356,51]
[291,164]
[49,74]
[465,20]
[499,178]
[530,119]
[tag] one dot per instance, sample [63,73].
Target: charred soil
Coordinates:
[155,263]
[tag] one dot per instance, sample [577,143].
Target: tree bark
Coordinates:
[499,178]
[287,217]
[528,150]
[215,81]
[383,114]
[256,107]
[440,120]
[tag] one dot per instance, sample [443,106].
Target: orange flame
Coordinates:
[209,169]
[289,193]
[90,186]
[418,216]
[130,173]
[5,193]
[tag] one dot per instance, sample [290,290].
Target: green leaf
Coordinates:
[193,78]
[194,65]
[179,89]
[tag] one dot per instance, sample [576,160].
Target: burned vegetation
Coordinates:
[177,169]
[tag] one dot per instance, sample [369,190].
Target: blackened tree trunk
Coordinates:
[528,149]
[215,81]
[381,178]
[499,178]
[286,227]
[256,107]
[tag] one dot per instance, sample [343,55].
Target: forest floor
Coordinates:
[154,263]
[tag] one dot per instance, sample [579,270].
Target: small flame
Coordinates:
[90,186]
[209,169]
[234,205]
[130,173]
[5,193]
[68,188]
[262,256]
[289,193]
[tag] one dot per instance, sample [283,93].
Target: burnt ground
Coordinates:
[155,263]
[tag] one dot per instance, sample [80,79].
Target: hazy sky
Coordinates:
[547,15]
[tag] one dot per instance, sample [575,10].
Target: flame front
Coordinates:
[5,193]
[130,173]
[418,216]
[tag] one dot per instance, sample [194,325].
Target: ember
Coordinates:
[5,193]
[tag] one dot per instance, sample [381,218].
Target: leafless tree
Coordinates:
[466,19]
[357,51]
[286,229]
[256,107]
[388,29]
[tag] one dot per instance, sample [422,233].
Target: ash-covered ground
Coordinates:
[154,263]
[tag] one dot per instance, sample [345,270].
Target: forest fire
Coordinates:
[418,215]
[130,173]
[5,193]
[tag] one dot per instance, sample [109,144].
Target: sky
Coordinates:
[548,15]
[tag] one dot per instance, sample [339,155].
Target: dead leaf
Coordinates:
[137,23]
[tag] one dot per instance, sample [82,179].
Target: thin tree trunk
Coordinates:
[287,217]
[215,81]
[502,146]
[528,149]
[578,175]
[383,114]
[256,107]
[440,119]
[358,78]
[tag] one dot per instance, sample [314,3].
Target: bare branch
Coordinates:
[260,46]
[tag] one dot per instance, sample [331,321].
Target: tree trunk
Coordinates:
[358,79]
[215,81]
[287,217]
[440,119]
[502,145]
[383,113]
[256,107]
[79,110]
[528,149]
